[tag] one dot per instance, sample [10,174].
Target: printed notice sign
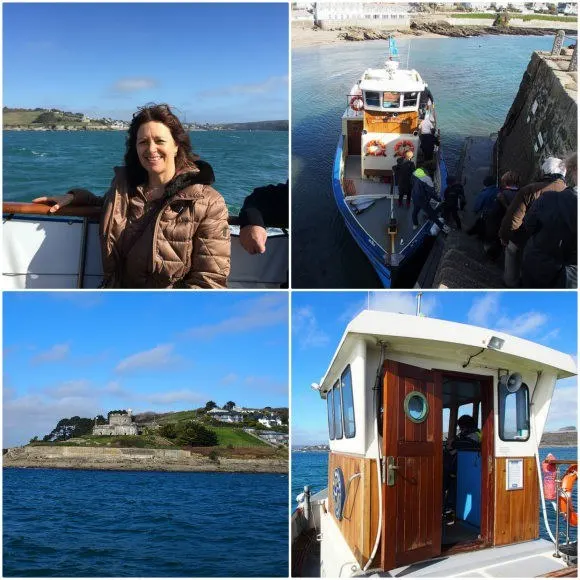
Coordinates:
[515,474]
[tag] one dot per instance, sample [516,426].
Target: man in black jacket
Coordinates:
[550,257]
[264,207]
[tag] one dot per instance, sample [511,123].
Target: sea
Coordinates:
[71,523]
[38,163]
[311,468]
[474,82]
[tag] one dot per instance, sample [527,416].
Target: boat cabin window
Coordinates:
[337,411]
[410,99]
[340,407]
[372,99]
[391,100]
[347,403]
[514,413]
[330,407]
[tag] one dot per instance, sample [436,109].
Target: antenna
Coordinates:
[368,300]
[419,294]
[408,53]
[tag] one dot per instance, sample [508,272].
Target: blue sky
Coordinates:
[319,320]
[213,62]
[71,353]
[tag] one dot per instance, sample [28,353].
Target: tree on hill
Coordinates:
[68,428]
[229,405]
[210,405]
[502,19]
[168,431]
[117,412]
[196,435]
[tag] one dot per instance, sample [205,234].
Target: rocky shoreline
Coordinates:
[310,35]
[140,460]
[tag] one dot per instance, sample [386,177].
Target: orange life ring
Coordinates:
[402,147]
[376,148]
[568,482]
[356,103]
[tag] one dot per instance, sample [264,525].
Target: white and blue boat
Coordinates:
[381,121]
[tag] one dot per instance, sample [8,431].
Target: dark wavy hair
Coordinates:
[185,158]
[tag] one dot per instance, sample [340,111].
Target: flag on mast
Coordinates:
[394,51]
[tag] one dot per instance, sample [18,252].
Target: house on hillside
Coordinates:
[225,416]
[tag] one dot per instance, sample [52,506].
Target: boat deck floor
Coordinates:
[459,532]
[525,560]
[375,219]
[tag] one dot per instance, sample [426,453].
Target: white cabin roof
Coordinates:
[380,79]
[441,340]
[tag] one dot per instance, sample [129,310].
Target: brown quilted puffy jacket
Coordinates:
[184,243]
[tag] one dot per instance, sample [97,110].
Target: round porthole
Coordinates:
[416,407]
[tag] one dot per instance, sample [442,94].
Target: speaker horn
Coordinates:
[512,382]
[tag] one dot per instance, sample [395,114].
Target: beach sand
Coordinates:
[305,35]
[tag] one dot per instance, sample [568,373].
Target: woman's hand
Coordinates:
[58,201]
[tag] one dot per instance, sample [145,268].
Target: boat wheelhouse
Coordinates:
[62,250]
[386,111]
[396,388]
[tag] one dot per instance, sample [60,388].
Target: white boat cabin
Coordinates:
[386,107]
[395,390]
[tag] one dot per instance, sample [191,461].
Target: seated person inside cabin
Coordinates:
[390,100]
[264,207]
[469,438]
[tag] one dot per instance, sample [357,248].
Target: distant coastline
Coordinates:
[16,119]
[305,34]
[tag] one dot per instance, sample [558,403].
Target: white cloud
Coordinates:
[77,388]
[229,379]
[31,415]
[564,406]
[484,309]
[305,327]
[268,310]
[526,324]
[56,353]
[265,87]
[179,396]
[160,356]
[487,312]
[131,85]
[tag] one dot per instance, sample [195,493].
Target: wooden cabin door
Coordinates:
[412,445]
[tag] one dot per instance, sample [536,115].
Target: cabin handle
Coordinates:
[391,468]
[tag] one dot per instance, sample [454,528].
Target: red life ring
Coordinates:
[568,482]
[401,147]
[356,103]
[376,148]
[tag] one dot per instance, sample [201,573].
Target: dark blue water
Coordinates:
[52,162]
[474,82]
[311,468]
[101,523]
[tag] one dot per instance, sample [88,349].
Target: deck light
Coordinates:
[495,343]
[315,386]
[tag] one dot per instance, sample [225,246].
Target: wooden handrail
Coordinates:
[87,211]
[81,211]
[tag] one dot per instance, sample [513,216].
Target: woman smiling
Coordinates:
[162,225]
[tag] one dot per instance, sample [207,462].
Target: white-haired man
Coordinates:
[550,257]
[510,233]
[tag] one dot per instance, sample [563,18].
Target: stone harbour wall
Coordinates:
[542,121]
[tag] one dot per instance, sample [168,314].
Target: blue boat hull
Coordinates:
[375,254]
